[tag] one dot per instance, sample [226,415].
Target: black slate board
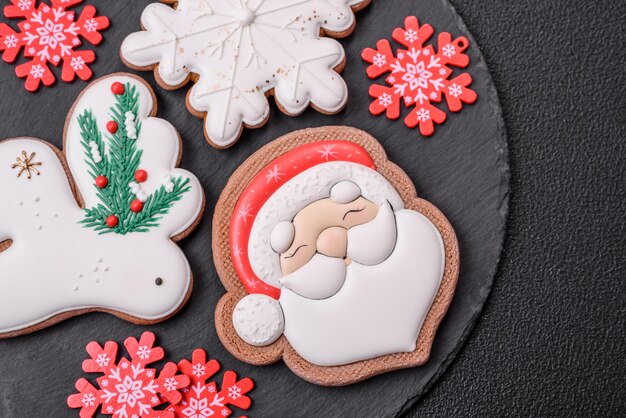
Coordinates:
[462,169]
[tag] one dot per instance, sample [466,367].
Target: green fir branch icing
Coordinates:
[118,160]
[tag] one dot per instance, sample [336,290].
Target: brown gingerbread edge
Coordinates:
[336,375]
[4,245]
[193,77]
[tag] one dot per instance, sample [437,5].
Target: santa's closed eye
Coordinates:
[294,252]
[353,211]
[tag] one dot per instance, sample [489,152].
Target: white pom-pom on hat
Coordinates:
[345,192]
[258,319]
[282,236]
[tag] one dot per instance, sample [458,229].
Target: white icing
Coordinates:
[379,310]
[167,183]
[131,128]
[282,236]
[95,153]
[320,278]
[39,271]
[240,50]
[136,189]
[305,188]
[371,243]
[258,319]
[345,192]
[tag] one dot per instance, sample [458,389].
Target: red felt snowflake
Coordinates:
[202,400]
[419,75]
[49,34]
[128,389]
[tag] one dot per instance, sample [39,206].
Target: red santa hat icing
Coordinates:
[260,226]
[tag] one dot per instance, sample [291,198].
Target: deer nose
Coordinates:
[333,242]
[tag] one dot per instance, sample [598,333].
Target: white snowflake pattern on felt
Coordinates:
[455,90]
[234,392]
[88,399]
[170,384]
[242,49]
[126,389]
[37,71]
[49,36]
[77,63]
[423,115]
[198,369]
[449,50]
[102,360]
[143,352]
[197,409]
[91,25]
[418,75]
[24,4]
[385,99]
[410,35]
[10,41]
[380,60]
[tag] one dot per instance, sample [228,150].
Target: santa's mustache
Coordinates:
[368,244]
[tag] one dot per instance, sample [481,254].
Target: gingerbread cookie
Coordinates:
[239,52]
[91,228]
[330,260]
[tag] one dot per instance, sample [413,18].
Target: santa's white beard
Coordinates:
[379,309]
[368,244]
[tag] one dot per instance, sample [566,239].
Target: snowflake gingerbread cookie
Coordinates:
[419,76]
[91,228]
[127,388]
[50,34]
[329,259]
[240,51]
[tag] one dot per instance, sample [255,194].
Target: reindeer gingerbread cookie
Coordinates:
[330,260]
[92,227]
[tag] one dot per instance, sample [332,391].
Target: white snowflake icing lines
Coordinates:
[240,49]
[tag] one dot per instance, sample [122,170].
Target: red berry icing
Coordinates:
[102,182]
[112,221]
[117,88]
[136,205]
[112,126]
[141,176]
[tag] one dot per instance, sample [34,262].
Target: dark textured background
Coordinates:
[551,340]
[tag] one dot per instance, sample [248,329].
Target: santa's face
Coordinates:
[322,228]
[328,235]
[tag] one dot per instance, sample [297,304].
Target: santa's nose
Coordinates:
[333,242]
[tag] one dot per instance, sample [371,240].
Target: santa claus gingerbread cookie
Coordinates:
[92,228]
[238,52]
[330,260]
